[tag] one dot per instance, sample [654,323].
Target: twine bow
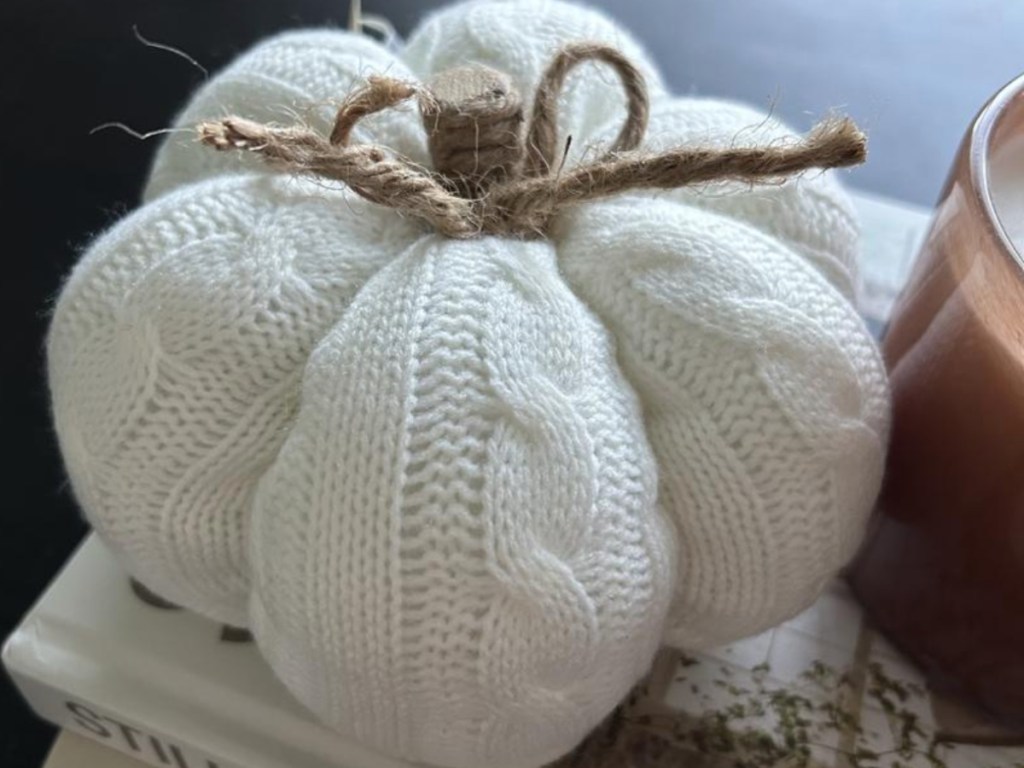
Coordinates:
[489,178]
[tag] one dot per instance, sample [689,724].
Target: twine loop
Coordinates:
[490,178]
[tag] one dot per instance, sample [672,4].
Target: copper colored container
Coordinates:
[942,573]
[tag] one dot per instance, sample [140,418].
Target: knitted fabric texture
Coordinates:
[461,491]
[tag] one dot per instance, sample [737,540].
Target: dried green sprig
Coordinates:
[645,734]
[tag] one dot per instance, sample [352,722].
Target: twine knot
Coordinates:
[491,176]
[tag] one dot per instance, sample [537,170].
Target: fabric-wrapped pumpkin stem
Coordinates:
[473,117]
[487,179]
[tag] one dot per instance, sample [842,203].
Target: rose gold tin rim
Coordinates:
[978,159]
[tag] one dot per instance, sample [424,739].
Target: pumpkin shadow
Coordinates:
[228,634]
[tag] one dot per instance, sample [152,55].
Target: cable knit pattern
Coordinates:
[176,354]
[301,76]
[765,403]
[462,490]
[462,523]
[810,214]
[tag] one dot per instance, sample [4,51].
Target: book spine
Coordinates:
[114,729]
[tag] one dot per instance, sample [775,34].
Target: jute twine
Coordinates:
[490,178]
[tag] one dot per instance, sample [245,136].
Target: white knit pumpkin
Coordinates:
[462,490]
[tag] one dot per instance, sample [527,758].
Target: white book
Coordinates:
[160,684]
[163,686]
[70,750]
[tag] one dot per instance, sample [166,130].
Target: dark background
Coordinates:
[912,72]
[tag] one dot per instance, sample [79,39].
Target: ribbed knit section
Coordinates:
[176,355]
[764,398]
[458,554]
